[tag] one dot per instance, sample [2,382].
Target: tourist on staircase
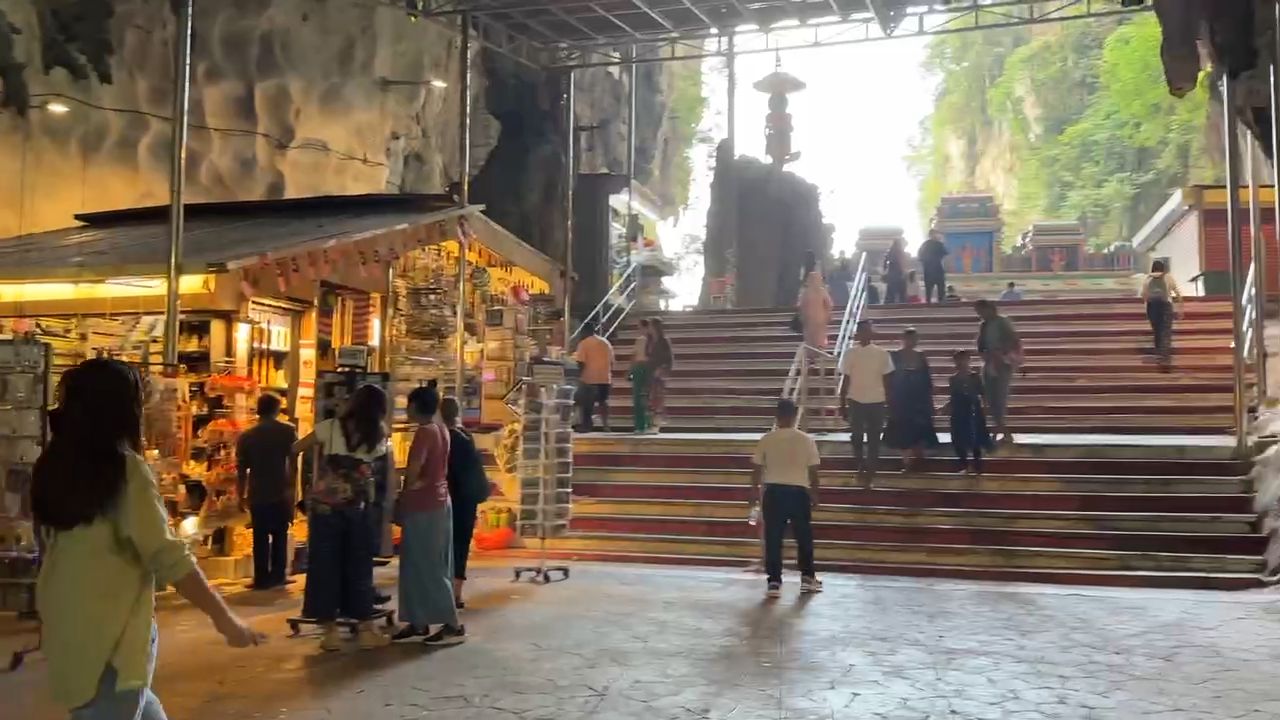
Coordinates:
[1011,293]
[895,274]
[786,460]
[864,387]
[640,378]
[913,288]
[661,361]
[595,355]
[931,254]
[814,304]
[873,290]
[910,423]
[969,436]
[1159,291]
[838,282]
[1001,351]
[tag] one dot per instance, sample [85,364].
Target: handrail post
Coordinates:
[1258,298]
[1236,250]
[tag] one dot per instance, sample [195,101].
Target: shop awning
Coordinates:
[218,236]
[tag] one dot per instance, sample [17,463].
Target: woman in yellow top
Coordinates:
[107,546]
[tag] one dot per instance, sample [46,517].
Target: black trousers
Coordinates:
[934,282]
[963,453]
[866,425]
[340,564]
[783,505]
[895,291]
[270,542]
[1160,315]
[464,525]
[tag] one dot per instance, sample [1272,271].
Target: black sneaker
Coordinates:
[773,591]
[447,635]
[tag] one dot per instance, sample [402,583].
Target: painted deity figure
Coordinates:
[966,259]
[777,131]
[1057,259]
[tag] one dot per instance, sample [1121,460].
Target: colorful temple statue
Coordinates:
[970,227]
[1056,247]
[777,124]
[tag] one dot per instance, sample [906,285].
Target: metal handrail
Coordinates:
[1247,308]
[853,311]
[603,314]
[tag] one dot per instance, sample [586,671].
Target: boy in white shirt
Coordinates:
[786,460]
[864,389]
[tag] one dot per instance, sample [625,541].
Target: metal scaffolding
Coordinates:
[596,33]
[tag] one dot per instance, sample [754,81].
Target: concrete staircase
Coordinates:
[1122,475]
[1087,366]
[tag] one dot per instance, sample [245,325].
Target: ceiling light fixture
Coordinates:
[57,108]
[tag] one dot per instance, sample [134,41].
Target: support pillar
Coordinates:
[1235,247]
[631,154]
[177,173]
[464,198]
[570,179]
[731,193]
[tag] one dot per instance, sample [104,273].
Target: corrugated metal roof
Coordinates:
[217,236]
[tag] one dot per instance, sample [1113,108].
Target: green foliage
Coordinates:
[685,113]
[1067,122]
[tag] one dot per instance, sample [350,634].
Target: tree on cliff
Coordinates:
[1070,121]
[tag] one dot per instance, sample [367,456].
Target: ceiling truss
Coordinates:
[565,34]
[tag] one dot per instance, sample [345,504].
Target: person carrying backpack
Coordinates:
[1159,291]
[468,487]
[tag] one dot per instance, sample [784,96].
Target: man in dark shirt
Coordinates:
[265,464]
[931,255]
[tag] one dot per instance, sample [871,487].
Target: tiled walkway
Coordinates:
[616,643]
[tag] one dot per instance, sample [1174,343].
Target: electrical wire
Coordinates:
[276,142]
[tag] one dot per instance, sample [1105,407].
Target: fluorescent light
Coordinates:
[57,108]
[438,83]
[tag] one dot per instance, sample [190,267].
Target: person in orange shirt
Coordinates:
[595,355]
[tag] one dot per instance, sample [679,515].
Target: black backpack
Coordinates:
[471,483]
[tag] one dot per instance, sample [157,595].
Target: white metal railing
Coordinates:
[1247,308]
[796,387]
[614,306]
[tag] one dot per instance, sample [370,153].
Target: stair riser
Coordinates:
[1100,579]
[1053,333]
[986,483]
[938,353]
[988,557]
[761,413]
[1046,539]
[585,509]
[926,499]
[1058,371]
[837,460]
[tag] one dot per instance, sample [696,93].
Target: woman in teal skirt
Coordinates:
[426,544]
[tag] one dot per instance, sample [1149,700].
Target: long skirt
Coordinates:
[426,569]
[339,564]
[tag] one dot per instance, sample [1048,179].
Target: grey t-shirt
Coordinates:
[263,452]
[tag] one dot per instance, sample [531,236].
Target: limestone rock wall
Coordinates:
[307,97]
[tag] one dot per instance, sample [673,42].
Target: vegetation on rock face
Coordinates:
[1062,122]
[685,113]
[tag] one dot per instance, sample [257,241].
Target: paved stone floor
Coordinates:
[653,643]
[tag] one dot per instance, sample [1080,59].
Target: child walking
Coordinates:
[969,434]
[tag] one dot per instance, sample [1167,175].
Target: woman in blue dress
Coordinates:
[910,427]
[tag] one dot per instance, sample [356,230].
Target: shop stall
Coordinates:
[271,292]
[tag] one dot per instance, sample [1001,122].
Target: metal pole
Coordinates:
[570,179]
[631,153]
[464,199]
[731,176]
[177,173]
[1236,250]
[1259,254]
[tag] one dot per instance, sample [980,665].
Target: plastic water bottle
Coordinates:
[753,517]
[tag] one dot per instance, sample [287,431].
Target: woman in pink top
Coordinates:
[814,304]
[425,516]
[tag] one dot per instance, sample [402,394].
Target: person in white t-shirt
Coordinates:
[786,460]
[864,384]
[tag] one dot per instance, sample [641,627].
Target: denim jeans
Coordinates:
[112,704]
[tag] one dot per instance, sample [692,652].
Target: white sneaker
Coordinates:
[810,585]
[774,590]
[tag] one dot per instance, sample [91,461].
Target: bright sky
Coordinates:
[853,127]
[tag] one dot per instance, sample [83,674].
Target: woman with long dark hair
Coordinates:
[352,452]
[107,546]
[895,274]
[425,515]
[661,361]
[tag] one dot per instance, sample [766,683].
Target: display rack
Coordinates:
[546,464]
[24,396]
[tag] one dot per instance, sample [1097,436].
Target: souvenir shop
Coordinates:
[295,298]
